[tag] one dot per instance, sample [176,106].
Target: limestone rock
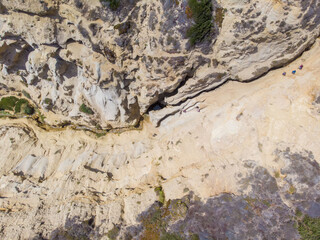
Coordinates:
[244,151]
[241,161]
[121,61]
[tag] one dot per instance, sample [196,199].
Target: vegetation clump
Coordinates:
[113,4]
[18,105]
[160,193]
[308,227]
[85,109]
[48,101]
[201,11]
[156,220]
[8,103]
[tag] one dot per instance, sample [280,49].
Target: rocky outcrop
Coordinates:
[120,60]
[239,162]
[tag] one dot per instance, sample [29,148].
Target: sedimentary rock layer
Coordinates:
[120,61]
[245,166]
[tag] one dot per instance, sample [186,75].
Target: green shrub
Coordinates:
[308,227]
[18,105]
[8,103]
[202,14]
[23,106]
[85,109]
[29,110]
[17,108]
[26,94]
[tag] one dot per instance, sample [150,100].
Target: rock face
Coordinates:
[240,162]
[121,60]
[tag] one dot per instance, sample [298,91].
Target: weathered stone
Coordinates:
[238,162]
[146,42]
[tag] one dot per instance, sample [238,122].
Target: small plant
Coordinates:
[41,117]
[29,110]
[113,4]
[308,227]
[48,101]
[160,194]
[19,104]
[85,109]
[100,134]
[201,11]
[292,190]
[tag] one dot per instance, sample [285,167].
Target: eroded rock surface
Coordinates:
[119,62]
[239,162]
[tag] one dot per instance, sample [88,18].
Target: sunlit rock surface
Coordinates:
[215,155]
[121,62]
